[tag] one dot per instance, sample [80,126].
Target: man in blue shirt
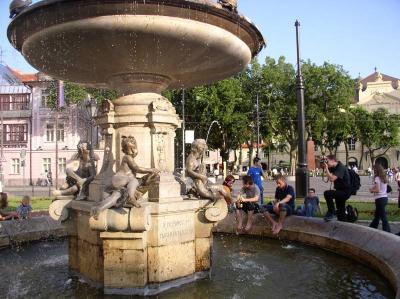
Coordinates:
[256,172]
[283,205]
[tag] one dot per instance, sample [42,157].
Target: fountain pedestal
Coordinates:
[138,48]
[140,251]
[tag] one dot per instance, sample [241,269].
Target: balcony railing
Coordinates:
[15,144]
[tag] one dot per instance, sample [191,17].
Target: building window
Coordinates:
[14,102]
[45,103]
[46,164]
[60,133]
[352,144]
[15,166]
[208,154]
[15,135]
[62,163]
[50,132]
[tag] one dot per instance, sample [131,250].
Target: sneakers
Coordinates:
[329,216]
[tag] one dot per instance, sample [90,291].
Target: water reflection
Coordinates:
[243,267]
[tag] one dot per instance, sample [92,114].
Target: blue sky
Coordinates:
[358,34]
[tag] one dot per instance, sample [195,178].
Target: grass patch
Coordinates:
[37,203]
[366,210]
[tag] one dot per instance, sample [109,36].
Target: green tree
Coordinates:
[328,95]
[378,131]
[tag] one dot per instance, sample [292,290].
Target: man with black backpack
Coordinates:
[337,173]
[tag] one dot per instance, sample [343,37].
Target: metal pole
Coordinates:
[30,154]
[183,133]
[57,105]
[258,129]
[302,179]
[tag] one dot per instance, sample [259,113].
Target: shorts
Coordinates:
[282,207]
[249,206]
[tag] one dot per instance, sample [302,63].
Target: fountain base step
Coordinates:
[157,288]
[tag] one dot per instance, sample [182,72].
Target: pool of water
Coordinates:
[243,267]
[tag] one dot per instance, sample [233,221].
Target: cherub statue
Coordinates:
[196,170]
[229,4]
[77,182]
[125,187]
[17,6]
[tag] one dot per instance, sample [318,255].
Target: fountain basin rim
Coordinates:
[209,7]
[374,248]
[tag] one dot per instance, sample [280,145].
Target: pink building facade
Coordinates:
[35,139]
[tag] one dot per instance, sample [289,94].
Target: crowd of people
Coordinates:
[250,199]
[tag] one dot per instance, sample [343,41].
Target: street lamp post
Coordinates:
[258,128]
[91,109]
[302,179]
[183,134]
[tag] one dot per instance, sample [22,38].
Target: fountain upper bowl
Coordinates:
[104,43]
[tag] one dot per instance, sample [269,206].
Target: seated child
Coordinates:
[247,202]
[311,204]
[25,209]
[227,185]
[4,215]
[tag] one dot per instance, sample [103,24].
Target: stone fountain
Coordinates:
[139,48]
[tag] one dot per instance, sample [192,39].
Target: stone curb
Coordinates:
[37,228]
[376,249]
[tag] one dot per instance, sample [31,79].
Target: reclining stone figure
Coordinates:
[229,4]
[126,188]
[196,170]
[77,182]
[17,6]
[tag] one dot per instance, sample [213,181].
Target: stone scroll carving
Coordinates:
[202,187]
[77,181]
[126,189]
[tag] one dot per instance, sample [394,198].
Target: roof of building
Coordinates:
[26,77]
[10,83]
[372,78]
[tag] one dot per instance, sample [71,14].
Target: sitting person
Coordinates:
[247,200]
[25,209]
[227,185]
[4,215]
[283,205]
[311,204]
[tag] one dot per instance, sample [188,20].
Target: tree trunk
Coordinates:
[240,156]
[293,160]
[346,148]
[360,163]
[372,157]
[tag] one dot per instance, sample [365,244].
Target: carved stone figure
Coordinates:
[126,188]
[229,4]
[77,182]
[17,6]
[196,170]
